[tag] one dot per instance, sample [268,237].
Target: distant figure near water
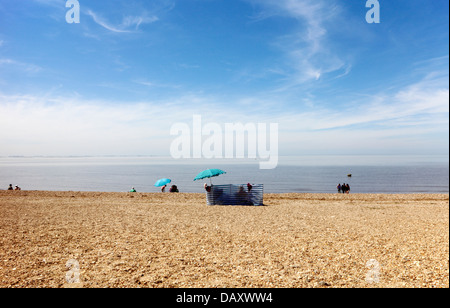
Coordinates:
[133,190]
[174,189]
[10,187]
[17,188]
[339,188]
[345,188]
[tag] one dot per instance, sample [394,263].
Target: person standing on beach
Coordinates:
[339,188]
[347,188]
[344,188]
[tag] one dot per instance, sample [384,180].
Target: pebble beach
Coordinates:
[156,240]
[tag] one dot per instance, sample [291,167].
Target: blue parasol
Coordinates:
[162,182]
[209,173]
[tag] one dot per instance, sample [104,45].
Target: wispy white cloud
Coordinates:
[136,21]
[53,3]
[151,84]
[129,23]
[409,119]
[413,118]
[62,126]
[424,102]
[306,47]
[71,125]
[27,67]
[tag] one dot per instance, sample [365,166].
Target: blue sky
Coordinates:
[115,83]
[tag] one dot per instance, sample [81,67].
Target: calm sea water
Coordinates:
[317,174]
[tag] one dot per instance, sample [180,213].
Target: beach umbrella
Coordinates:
[162,182]
[209,173]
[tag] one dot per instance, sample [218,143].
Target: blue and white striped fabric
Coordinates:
[235,195]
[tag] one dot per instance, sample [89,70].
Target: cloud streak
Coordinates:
[306,47]
[426,100]
[409,119]
[129,23]
[27,67]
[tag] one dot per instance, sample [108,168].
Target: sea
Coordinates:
[298,174]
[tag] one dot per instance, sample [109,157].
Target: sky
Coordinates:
[117,81]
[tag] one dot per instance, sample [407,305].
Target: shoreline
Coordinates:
[202,193]
[174,240]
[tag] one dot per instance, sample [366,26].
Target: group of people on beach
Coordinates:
[14,188]
[344,188]
[208,188]
[172,189]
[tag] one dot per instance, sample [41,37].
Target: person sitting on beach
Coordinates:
[10,187]
[174,189]
[163,188]
[133,190]
[241,192]
[17,188]
[207,188]
[243,196]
